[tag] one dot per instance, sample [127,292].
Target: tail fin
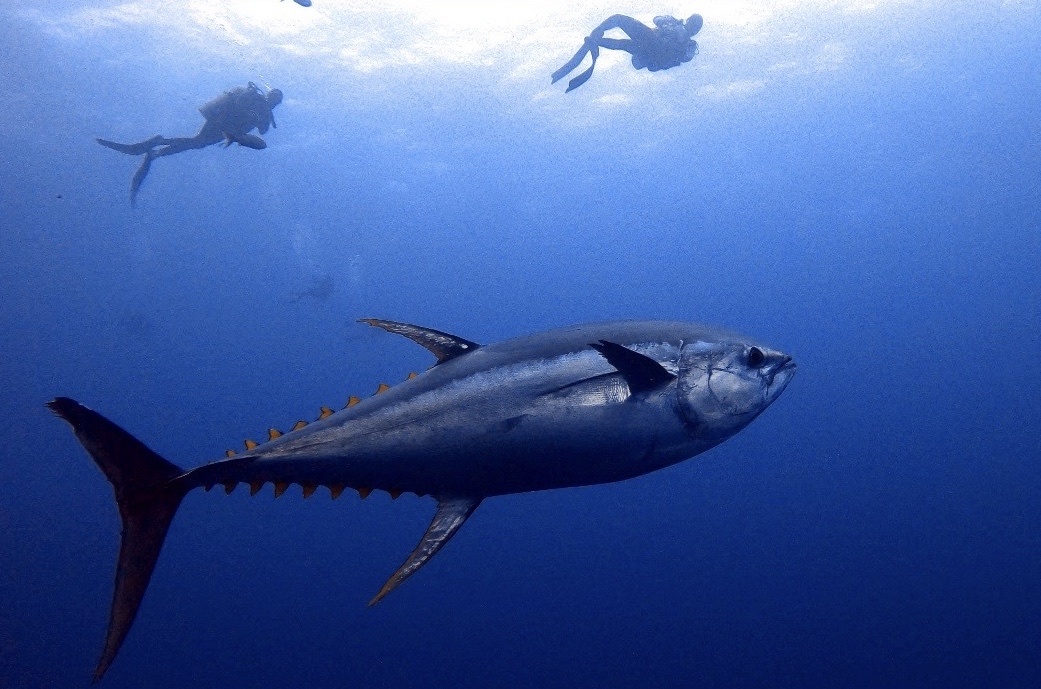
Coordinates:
[147,501]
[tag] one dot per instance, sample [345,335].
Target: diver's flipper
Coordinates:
[641,372]
[442,345]
[451,513]
[584,76]
[139,177]
[570,65]
[133,149]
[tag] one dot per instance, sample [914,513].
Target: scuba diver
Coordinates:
[668,44]
[230,117]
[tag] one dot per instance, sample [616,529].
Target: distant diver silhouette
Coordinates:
[230,117]
[321,289]
[669,44]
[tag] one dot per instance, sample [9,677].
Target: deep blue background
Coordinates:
[879,219]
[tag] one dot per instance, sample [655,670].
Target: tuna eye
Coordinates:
[756,357]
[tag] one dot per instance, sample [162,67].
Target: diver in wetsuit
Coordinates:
[669,44]
[230,117]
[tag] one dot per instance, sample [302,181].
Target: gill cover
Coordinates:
[722,386]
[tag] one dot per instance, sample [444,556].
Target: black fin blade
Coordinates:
[584,76]
[451,513]
[641,372]
[139,177]
[442,345]
[147,502]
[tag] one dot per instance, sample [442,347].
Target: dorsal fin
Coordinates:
[450,515]
[440,344]
[641,372]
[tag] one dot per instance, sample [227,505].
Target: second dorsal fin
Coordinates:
[440,344]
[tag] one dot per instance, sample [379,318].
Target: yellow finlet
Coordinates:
[229,453]
[336,489]
[412,375]
[382,388]
[352,400]
[363,492]
[273,433]
[394,494]
[230,486]
[208,487]
[309,489]
[299,424]
[255,486]
[326,412]
[250,444]
[280,487]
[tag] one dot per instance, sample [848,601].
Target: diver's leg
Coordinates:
[180,145]
[617,44]
[133,149]
[209,134]
[636,30]
[173,146]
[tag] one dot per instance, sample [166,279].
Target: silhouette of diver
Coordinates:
[321,289]
[230,117]
[669,44]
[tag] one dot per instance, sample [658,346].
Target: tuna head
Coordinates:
[723,386]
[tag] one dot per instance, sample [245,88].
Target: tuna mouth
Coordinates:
[779,375]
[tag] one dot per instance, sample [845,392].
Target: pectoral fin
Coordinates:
[451,513]
[641,372]
[442,345]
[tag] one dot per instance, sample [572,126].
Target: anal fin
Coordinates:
[450,515]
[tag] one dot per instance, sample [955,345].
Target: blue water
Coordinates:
[854,183]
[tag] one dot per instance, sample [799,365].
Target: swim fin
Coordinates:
[589,46]
[584,76]
[139,178]
[560,73]
[132,149]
